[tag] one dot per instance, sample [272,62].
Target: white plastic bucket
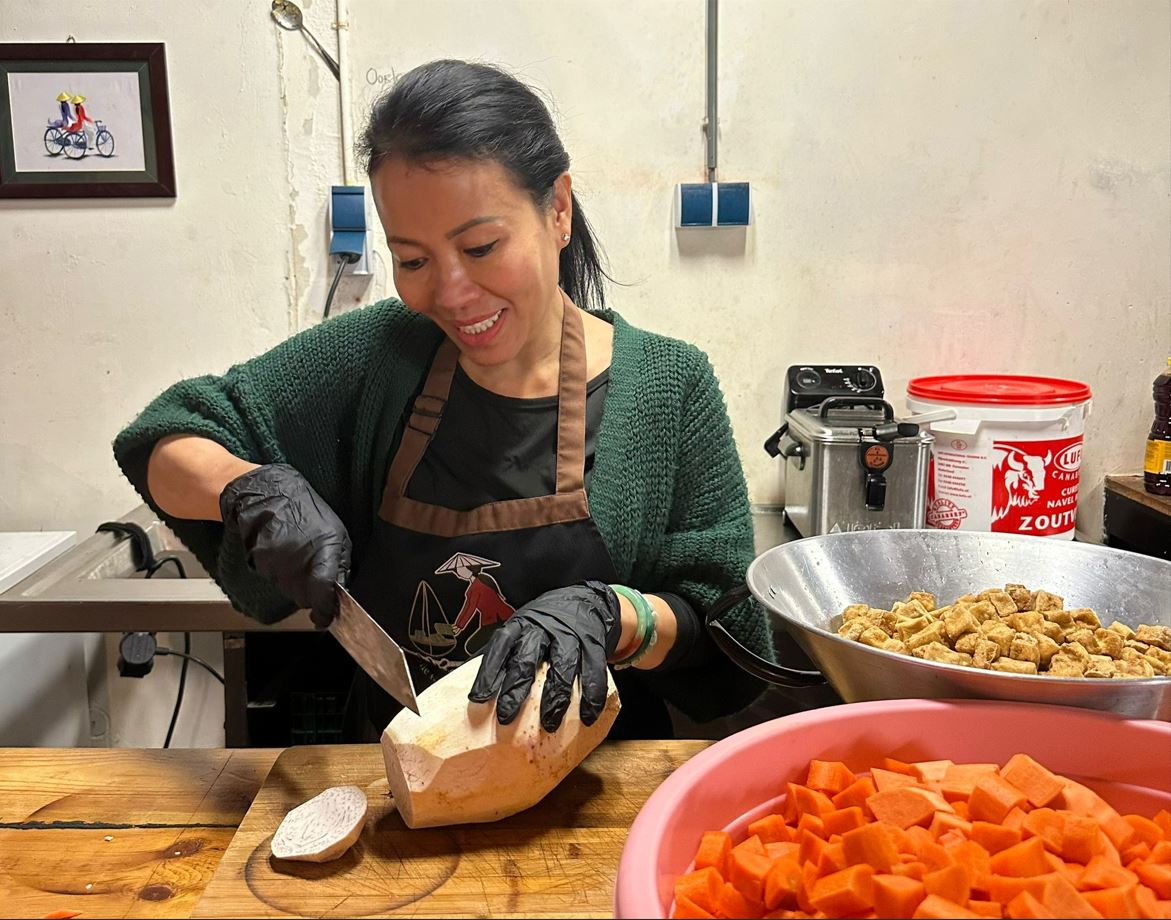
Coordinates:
[1010,460]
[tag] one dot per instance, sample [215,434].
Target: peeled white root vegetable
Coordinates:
[322,828]
[456,764]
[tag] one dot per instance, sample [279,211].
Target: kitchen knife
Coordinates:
[376,653]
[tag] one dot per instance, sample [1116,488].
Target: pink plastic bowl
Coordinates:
[742,777]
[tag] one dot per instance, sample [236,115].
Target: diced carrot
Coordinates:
[933,907]
[960,779]
[843,819]
[848,891]
[813,824]
[972,856]
[1079,839]
[702,888]
[1004,888]
[1163,819]
[953,882]
[732,903]
[907,806]
[942,822]
[897,766]
[993,798]
[1047,824]
[962,809]
[855,794]
[1039,785]
[771,829]
[746,870]
[808,880]
[1015,819]
[685,909]
[994,837]
[752,844]
[1148,905]
[1025,859]
[1071,871]
[1082,800]
[915,869]
[1157,877]
[1114,902]
[830,776]
[810,846]
[714,847]
[782,884]
[950,838]
[872,845]
[889,779]
[1133,851]
[833,859]
[986,908]
[1026,907]
[782,850]
[808,801]
[896,895]
[1161,853]
[931,771]
[1066,901]
[1146,829]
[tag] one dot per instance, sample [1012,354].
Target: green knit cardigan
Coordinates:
[667,491]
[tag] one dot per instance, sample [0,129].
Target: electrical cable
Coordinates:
[342,261]
[163,650]
[179,695]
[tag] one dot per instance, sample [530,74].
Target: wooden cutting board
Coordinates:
[559,858]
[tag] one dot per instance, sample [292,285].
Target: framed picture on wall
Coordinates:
[85,121]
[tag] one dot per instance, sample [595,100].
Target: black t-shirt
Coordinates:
[491,448]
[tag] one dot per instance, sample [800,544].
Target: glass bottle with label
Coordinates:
[1157,465]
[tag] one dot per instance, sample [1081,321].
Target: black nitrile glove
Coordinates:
[291,536]
[575,629]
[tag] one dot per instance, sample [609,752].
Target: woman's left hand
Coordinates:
[575,629]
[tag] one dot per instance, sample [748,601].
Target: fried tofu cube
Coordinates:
[1062,665]
[1021,596]
[924,598]
[1085,637]
[985,653]
[1140,647]
[937,651]
[894,645]
[1161,668]
[1077,652]
[1085,616]
[982,610]
[855,610]
[1046,601]
[1059,616]
[1158,653]
[1122,629]
[1026,621]
[1012,666]
[960,621]
[1046,648]
[1002,635]
[908,627]
[1139,667]
[968,641]
[1110,642]
[854,629]
[1159,636]
[914,609]
[1100,666]
[933,633]
[1052,631]
[874,637]
[1002,601]
[966,599]
[1024,648]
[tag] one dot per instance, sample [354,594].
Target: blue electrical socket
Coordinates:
[713,204]
[347,220]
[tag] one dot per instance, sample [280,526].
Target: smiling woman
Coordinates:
[505,468]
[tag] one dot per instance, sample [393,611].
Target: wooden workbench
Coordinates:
[134,833]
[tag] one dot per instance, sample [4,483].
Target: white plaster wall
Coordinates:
[941,186]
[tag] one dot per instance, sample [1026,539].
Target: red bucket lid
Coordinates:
[999,390]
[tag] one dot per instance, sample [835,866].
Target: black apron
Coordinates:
[440,581]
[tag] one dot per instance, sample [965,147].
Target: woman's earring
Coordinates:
[565,237]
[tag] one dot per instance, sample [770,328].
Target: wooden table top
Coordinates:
[141,833]
[1132,487]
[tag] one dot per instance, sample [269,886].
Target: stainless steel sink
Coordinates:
[94,587]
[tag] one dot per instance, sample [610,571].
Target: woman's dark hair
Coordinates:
[461,110]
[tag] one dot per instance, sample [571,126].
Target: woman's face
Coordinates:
[472,252]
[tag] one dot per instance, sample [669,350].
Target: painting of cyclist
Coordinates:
[66,118]
[82,118]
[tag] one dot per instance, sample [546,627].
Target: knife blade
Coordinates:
[374,651]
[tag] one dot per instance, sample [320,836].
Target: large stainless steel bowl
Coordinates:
[807,583]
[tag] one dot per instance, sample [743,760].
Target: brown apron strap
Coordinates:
[568,504]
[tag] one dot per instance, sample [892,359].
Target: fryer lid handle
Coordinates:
[748,660]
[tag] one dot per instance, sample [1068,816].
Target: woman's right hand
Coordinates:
[290,535]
